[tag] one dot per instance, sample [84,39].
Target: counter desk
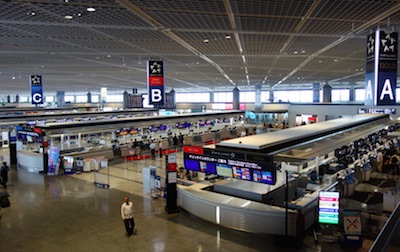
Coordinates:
[248,215]
[30,160]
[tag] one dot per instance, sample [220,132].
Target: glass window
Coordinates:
[49,98]
[281,96]
[115,98]
[69,98]
[247,96]
[192,97]
[360,94]
[265,96]
[24,99]
[306,96]
[340,95]
[81,98]
[95,98]
[397,94]
[223,97]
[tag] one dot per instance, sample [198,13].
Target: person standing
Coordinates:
[152,147]
[4,174]
[127,214]
[379,160]
[160,148]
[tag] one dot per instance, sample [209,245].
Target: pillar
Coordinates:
[327,93]
[258,103]
[89,97]
[236,98]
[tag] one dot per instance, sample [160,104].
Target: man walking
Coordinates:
[152,147]
[160,148]
[127,216]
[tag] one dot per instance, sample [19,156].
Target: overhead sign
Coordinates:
[36,89]
[381,69]
[155,81]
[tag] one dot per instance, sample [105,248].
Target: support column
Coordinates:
[316,94]
[271,95]
[327,93]
[236,98]
[258,103]
[352,94]
[89,97]
[211,97]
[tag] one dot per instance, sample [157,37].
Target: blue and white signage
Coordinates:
[155,81]
[36,89]
[381,70]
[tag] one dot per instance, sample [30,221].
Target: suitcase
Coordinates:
[4,202]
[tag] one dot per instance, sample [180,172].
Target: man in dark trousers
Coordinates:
[4,175]
[127,212]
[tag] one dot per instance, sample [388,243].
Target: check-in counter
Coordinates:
[30,161]
[105,152]
[236,213]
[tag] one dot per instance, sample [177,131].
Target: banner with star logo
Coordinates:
[36,89]
[381,68]
[155,81]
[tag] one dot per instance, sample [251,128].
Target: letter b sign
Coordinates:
[156,96]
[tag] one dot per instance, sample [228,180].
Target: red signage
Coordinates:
[193,149]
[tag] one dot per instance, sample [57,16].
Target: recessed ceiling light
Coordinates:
[68,17]
[206,40]
[109,56]
[32,13]
[228,36]
[91,9]
[303,51]
[296,52]
[335,60]
[13,78]
[78,14]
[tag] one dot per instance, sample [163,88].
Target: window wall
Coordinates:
[340,95]
[223,97]
[192,97]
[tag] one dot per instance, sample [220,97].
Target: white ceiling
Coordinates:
[280,43]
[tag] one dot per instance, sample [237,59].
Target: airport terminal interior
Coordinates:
[231,125]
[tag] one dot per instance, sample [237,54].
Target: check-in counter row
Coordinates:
[236,213]
[247,215]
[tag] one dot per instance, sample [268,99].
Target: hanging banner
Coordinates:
[36,89]
[155,81]
[381,69]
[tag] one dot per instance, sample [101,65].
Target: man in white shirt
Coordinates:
[127,212]
[152,147]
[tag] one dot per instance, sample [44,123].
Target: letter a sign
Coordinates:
[155,81]
[381,70]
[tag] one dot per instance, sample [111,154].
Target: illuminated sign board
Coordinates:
[328,207]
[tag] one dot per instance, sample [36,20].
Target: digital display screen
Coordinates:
[202,123]
[192,165]
[163,127]
[70,119]
[265,177]
[328,207]
[207,167]
[188,124]
[208,122]
[180,125]
[242,173]
[224,170]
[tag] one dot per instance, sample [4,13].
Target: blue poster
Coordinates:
[54,154]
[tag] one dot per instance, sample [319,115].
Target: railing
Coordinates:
[389,237]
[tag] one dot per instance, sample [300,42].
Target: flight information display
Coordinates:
[328,208]
[227,166]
